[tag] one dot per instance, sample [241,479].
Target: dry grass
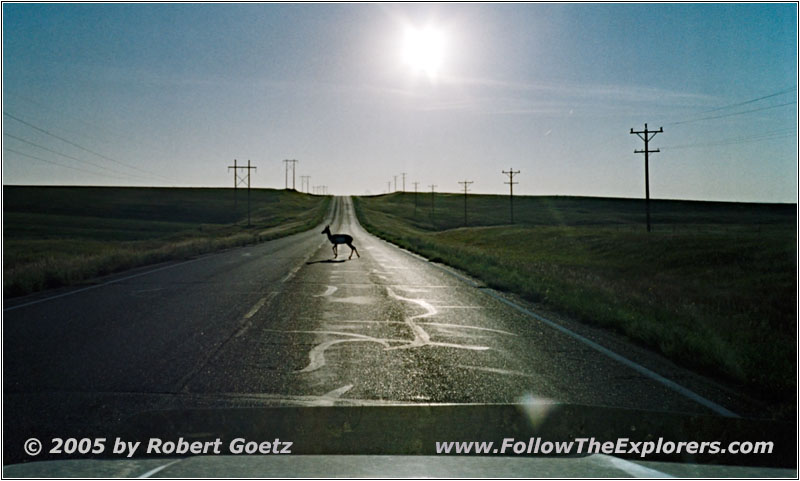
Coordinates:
[717,294]
[57,236]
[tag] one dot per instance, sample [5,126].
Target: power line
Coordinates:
[78,145]
[732,114]
[93,126]
[771,135]
[736,104]
[57,163]
[134,176]
[793,89]
[81,147]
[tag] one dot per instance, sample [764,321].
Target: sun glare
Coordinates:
[423,50]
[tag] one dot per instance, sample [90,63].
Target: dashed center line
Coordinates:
[291,274]
[495,370]
[258,305]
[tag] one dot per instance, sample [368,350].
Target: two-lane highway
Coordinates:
[284,323]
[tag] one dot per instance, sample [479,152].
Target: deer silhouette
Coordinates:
[337,239]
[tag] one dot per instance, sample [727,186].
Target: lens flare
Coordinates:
[423,50]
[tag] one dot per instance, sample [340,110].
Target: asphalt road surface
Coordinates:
[284,323]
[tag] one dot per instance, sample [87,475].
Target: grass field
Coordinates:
[56,236]
[713,286]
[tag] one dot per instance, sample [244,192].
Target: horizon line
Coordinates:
[399,192]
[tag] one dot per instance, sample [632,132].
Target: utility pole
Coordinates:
[304,183]
[240,179]
[433,194]
[294,162]
[647,135]
[395,183]
[415,197]
[235,183]
[248,192]
[466,185]
[404,181]
[510,173]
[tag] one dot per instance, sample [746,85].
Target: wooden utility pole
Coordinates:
[510,173]
[293,162]
[235,183]
[433,194]
[466,186]
[248,192]
[404,181]
[647,135]
[240,179]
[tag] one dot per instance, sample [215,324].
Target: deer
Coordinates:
[337,239]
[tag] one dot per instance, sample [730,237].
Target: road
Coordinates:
[284,323]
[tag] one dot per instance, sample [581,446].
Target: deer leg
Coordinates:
[353,249]
[335,253]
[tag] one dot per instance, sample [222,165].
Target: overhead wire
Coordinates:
[93,126]
[755,137]
[20,139]
[738,104]
[778,134]
[732,114]
[56,163]
[39,129]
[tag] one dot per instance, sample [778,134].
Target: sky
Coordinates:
[358,94]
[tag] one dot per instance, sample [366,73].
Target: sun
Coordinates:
[423,50]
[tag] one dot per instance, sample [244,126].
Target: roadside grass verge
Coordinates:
[58,236]
[713,287]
